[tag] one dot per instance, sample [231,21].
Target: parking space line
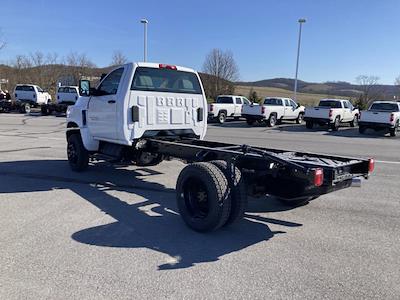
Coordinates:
[388,162]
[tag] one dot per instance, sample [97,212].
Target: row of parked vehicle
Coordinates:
[28,96]
[381,115]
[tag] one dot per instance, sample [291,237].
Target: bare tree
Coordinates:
[223,71]
[79,65]
[370,90]
[118,58]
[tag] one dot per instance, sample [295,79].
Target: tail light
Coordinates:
[391,117]
[164,66]
[262,109]
[330,113]
[211,107]
[318,177]
[371,165]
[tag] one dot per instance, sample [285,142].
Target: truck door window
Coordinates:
[39,89]
[109,86]
[293,104]
[238,101]
[346,104]
[246,101]
[287,103]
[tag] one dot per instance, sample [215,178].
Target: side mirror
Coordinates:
[84,88]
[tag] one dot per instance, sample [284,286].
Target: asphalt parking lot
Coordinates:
[113,231]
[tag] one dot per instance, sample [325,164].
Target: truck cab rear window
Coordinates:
[165,80]
[331,104]
[273,101]
[385,107]
[225,100]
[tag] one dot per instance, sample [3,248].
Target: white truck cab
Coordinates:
[30,95]
[67,94]
[138,100]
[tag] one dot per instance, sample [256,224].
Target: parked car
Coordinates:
[227,106]
[30,95]
[66,95]
[142,113]
[381,115]
[332,112]
[273,110]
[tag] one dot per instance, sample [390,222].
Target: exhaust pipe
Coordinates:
[356,182]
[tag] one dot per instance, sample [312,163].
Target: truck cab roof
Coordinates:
[160,66]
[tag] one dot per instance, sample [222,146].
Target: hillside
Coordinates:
[339,88]
[307,99]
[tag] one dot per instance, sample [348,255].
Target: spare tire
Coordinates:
[202,195]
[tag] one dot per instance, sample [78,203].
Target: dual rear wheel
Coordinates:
[210,195]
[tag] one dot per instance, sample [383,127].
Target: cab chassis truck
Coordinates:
[212,190]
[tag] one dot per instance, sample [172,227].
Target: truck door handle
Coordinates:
[111,101]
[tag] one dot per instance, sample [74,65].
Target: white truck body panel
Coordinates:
[67,94]
[382,112]
[31,93]
[110,117]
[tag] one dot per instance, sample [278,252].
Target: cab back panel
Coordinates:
[167,111]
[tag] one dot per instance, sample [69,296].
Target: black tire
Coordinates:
[361,129]
[309,124]
[78,156]
[202,196]
[237,191]
[336,124]
[393,131]
[221,117]
[271,122]
[354,123]
[299,119]
[44,110]
[250,122]
[147,159]
[25,108]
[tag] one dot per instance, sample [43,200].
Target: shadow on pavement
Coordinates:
[153,223]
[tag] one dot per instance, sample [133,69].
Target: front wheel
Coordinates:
[202,195]
[354,123]
[393,131]
[78,156]
[299,119]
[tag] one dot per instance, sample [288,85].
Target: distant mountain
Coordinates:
[340,88]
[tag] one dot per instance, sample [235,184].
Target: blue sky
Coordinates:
[341,39]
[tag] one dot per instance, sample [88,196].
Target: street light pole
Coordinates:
[145,22]
[301,21]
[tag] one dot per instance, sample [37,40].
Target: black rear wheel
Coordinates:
[202,195]
[354,123]
[221,117]
[237,191]
[336,124]
[299,119]
[309,124]
[393,131]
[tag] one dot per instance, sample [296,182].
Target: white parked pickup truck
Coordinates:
[332,112]
[227,106]
[272,110]
[30,95]
[381,115]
